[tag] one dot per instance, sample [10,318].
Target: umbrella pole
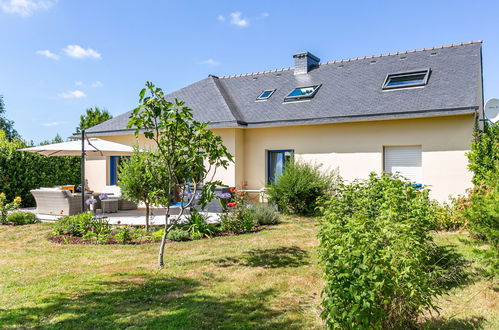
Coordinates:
[82,170]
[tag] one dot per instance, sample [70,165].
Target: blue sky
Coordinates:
[59,57]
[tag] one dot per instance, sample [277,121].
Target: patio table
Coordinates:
[109,205]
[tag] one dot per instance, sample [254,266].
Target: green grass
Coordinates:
[472,303]
[264,280]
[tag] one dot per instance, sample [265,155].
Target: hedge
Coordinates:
[22,171]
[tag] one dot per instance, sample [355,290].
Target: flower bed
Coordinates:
[238,217]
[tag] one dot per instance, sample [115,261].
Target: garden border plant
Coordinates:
[377,254]
[301,186]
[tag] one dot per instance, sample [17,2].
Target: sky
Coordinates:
[59,57]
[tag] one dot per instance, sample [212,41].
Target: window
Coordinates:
[406,79]
[114,166]
[266,94]
[277,160]
[301,93]
[404,160]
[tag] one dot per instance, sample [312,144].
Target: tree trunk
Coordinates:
[147,216]
[161,263]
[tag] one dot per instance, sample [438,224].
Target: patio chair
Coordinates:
[56,201]
[114,192]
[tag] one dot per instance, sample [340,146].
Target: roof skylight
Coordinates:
[266,94]
[406,79]
[301,93]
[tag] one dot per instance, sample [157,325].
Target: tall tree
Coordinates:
[56,139]
[92,117]
[6,125]
[188,154]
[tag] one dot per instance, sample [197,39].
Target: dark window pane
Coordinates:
[265,94]
[406,80]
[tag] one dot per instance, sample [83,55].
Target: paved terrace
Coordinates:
[129,217]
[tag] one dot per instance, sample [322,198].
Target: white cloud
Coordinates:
[221,18]
[96,84]
[211,62]
[25,7]
[237,19]
[77,94]
[54,123]
[47,53]
[79,83]
[80,52]
[264,14]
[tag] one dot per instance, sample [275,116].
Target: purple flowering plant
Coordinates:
[91,201]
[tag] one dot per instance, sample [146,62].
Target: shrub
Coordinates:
[157,235]
[262,214]
[176,234]
[22,171]
[198,226]
[482,211]
[6,207]
[375,252]
[484,153]
[21,218]
[235,218]
[82,224]
[300,187]
[236,223]
[123,235]
[449,216]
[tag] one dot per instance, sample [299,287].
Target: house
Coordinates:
[411,112]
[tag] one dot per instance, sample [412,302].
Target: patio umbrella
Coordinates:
[87,146]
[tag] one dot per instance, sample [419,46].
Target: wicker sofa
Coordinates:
[56,201]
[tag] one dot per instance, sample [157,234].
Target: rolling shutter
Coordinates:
[404,160]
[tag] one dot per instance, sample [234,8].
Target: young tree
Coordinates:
[137,179]
[92,117]
[186,152]
[6,125]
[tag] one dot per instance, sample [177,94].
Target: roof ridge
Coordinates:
[356,59]
[228,100]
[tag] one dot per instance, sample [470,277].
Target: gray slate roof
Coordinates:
[351,90]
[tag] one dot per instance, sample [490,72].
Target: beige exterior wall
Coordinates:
[356,149]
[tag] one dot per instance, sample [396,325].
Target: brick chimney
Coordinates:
[304,62]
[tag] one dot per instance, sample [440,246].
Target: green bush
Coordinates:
[484,153]
[123,235]
[21,218]
[482,211]
[22,171]
[177,234]
[157,235]
[300,187]
[449,216]
[376,254]
[236,223]
[198,226]
[262,214]
[6,207]
[82,224]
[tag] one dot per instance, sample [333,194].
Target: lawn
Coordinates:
[268,279]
